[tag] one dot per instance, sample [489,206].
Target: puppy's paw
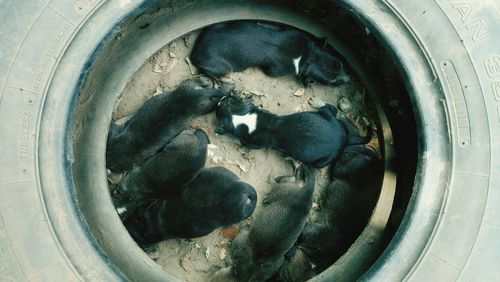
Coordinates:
[316,102]
[205,82]
[220,130]
[266,201]
[295,163]
[285,179]
[197,82]
[227,87]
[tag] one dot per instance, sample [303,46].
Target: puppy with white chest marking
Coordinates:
[158,121]
[235,46]
[215,198]
[164,173]
[258,253]
[315,138]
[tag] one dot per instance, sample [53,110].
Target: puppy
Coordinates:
[258,253]
[315,138]
[235,46]
[215,198]
[158,121]
[163,174]
[345,207]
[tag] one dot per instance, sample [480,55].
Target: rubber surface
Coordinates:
[459,41]
[448,49]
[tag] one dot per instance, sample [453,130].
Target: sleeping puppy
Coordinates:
[235,46]
[258,253]
[215,198]
[345,207]
[315,138]
[163,174]
[158,121]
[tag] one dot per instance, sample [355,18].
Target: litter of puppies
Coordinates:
[173,183]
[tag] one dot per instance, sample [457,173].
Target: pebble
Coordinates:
[299,92]
[222,254]
[156,68]
[158,91]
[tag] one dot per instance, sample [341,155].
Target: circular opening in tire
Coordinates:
[146,55]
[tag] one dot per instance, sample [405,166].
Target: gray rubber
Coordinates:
[42,234]
[448,51]
[451,228]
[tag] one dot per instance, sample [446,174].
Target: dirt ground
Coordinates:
[197,259]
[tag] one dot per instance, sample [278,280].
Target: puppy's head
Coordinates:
[116,161]
[205,98]
[242,200]
[322,66]
[227,107]
[230,200]
[356,162]
[142,225]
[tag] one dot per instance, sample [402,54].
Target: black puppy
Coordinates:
[163,174]
[215,198]
[345,207]
[235,46]
[258,253]
[158,121]
[315,138]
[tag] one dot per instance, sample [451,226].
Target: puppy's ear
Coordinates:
[249,104]
[243,106]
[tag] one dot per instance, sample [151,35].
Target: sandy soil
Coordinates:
[197,259]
